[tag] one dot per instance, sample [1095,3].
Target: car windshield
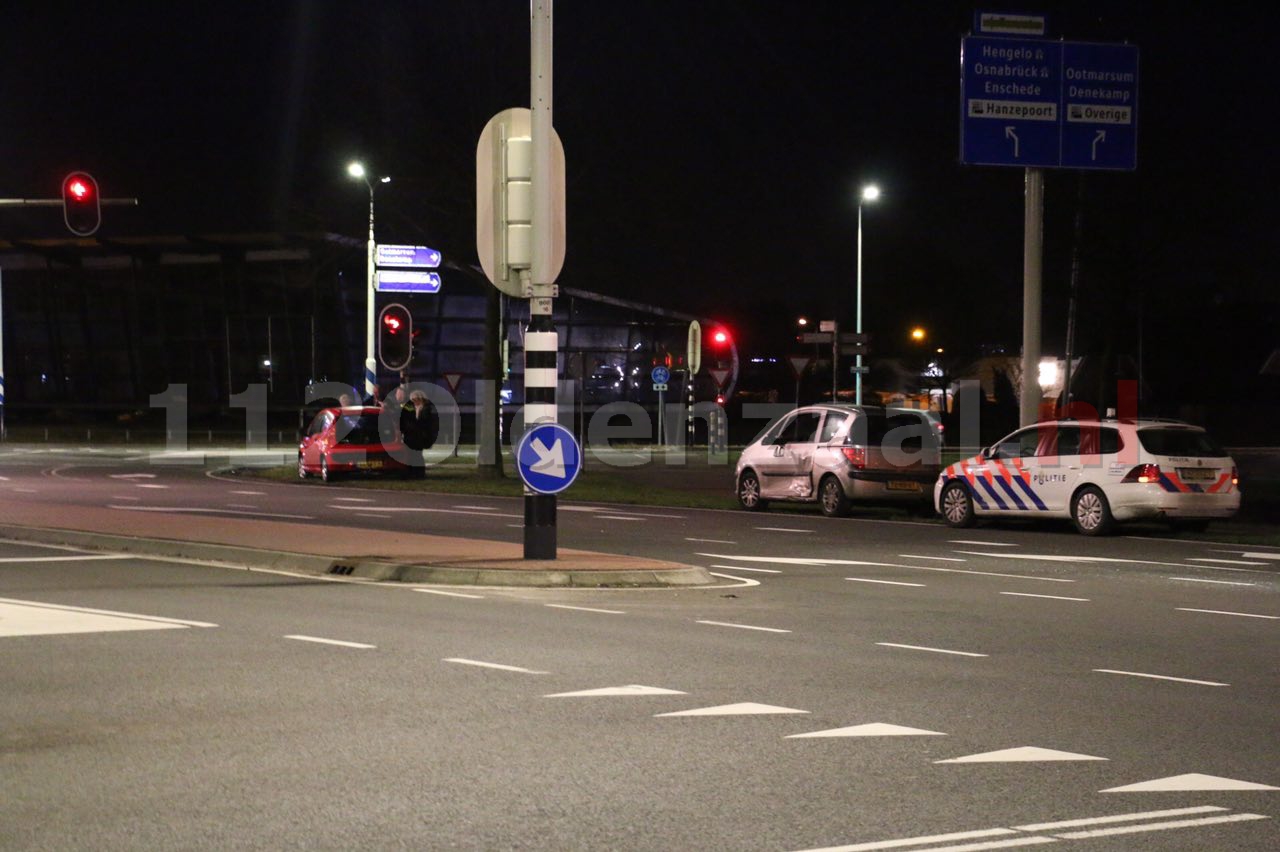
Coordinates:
[871,428]
[358,429]
[1180,442]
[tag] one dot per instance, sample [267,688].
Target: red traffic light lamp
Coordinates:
[720,338]
[81,205]
[395,337]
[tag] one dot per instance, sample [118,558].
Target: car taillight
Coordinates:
[1235,476]
[857,456]
[1143,473]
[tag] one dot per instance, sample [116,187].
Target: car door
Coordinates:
[313,443]
[1029,473]
[784,471]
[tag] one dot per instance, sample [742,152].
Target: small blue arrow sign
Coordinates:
[548,458]
[660,375]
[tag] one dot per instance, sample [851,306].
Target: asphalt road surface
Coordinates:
[856,683]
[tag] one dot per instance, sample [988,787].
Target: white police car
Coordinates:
[1096,473]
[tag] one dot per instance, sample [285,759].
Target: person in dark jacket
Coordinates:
[419,424]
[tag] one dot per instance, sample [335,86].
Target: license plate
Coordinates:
[1197,474]
[372,465]
[903,485]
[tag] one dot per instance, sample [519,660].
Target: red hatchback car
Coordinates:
[343,441]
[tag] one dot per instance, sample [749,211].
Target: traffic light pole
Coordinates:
[370,362]
[541,342]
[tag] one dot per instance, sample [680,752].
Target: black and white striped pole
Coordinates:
[520,239]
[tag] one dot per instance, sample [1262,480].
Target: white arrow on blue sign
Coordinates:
[406,281]
[660,375]
[407,256]
[548,458]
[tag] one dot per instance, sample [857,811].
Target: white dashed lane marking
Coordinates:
[783,529]
[935,558]
[1223,561]
[1163,677]
[883,582]
[1214,582]
[711,540]
[499,666]
[318,640]
[449,594]
[586,609]
[1046,597]
[743,626]
[933,650]
[1224,612]
[980,543]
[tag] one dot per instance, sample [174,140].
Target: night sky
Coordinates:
[713,151]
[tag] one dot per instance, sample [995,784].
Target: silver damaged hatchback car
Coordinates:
[838,455]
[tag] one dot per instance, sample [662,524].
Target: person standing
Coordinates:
[419,425]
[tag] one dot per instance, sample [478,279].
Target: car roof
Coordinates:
[1132,424]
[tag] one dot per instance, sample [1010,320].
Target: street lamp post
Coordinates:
[357,171]
[869,193]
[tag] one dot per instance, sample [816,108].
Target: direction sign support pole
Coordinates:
[370,363]
[1032,259]
[541,342]
[2,433]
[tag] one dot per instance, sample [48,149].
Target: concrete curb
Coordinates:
[477,573]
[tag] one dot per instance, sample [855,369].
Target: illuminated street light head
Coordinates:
[870,192]
[802,321]
[356,169]
[384,180]
[917,334]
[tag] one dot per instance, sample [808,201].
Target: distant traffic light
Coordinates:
[395,337]
[720,338]
[81,206]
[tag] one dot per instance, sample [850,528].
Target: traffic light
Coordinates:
[81,206]
[720,338]
[395,337]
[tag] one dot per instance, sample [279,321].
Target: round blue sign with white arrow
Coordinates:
[660,375]
[548,458]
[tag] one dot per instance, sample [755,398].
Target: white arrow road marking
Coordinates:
[1224,612]
[617,691]
[321,641]
[873,729]
[1163,677]
[35,618]
[465,662]
[1160,826]
[550,461]
[746,708]
[934,650]
[742,581]
[1023,754]
[742,626]
[1191,782]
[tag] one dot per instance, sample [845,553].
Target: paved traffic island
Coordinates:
[337,551]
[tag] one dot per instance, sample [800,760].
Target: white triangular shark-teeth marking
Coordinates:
[1021,754]
[873,729]
[630,689]
[1190,782]
[746,708]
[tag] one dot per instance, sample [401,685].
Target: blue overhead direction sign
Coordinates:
[406,281]
[1010,94]
[548,458]
[419,257]
[1100,106]
[1046,104]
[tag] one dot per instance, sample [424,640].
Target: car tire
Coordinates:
[831,497]
[1090,512]
[957,506]
[302,471]
[749,493]
[325,474]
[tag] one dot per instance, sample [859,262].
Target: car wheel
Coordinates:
[325,473]
[1090,512]
[749,493]
[831,497]
[302,471]
[957,506]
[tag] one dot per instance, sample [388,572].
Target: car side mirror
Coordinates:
[990,452]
